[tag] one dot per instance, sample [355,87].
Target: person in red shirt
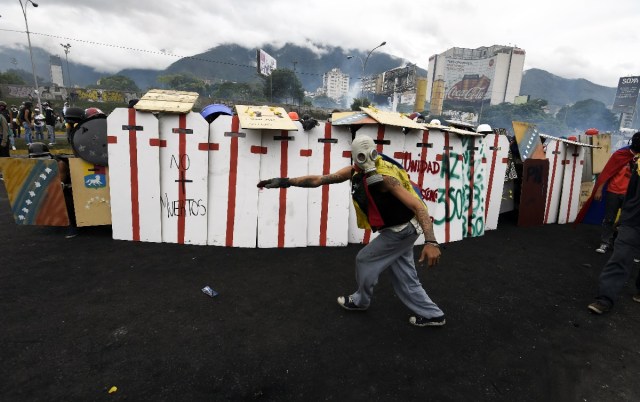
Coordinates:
[611,185]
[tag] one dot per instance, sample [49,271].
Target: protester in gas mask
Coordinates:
[385,202]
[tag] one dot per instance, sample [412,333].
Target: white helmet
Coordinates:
[484,129]
[435,122]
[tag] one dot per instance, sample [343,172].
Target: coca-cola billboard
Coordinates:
[468,81]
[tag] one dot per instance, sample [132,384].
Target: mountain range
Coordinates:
[237,64]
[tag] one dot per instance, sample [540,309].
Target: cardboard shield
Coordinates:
[555,151]
[282,213]
[234,170]
[91,198]
[573,164]
[474,187]
[35,193]
[496,158]
[90,141]
[328,206]
[183,178]
[134,175]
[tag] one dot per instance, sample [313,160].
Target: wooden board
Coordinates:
[349,118]
[234,171]
[600,156]
[394,119]
[422,164]
[573,164]
[184,161]
[390,141]
[474,189]
[91,197]
[555,152]
[328,206]
[585,192]
[133,139]
[534,190]
[161,100]
[35,193]
[495,162]
[282,213]
[264,118]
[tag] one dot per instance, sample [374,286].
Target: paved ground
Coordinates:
[79,316]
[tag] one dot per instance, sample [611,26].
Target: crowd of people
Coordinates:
[27,119]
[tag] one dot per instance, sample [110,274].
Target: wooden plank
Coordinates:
[534,189]
[573,164]
[555,152]
[264,118]
[496,154]
[160,100]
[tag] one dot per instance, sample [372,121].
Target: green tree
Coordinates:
[283,86]
[357,102]
[531,112]
[325,102]
[116,83]
[11,77]
[586,114]
[237,91]
[184,82]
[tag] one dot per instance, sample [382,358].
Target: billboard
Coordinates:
[627,95]
[266,63]
[468,81]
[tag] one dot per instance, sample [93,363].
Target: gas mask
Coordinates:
[364,153]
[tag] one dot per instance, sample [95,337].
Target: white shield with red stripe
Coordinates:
[555,152]
[495,166]
[282,212]
[389,141]
[234,171]
[473,185]
[423,167]
[134,175]
[449,212]
[184,159]
[573,165]
[328,206]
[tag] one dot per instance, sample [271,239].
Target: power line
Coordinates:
[145,50]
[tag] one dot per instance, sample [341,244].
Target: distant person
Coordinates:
[615,177]
[28,122]
[50,122]
[5,133]
[15,126]
[6,136]
[38,119]
[626,248]
[385,202]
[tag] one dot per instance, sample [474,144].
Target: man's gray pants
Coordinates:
[618,269]
[393,250]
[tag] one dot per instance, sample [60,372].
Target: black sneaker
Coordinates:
[347,303]
[420,321]
[598,307]
[636,297]
[604,247]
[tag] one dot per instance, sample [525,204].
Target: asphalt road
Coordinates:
[82,315]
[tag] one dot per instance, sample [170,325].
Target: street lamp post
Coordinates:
[33,66]
[66,56]
[364,66]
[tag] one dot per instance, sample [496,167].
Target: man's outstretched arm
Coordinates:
[308,181]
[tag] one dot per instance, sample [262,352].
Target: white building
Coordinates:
[472,76]
[335,84]
[56,71]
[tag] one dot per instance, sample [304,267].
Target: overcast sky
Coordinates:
[592,39]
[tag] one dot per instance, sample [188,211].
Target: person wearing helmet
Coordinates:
[484,129]
[385,202]
[50,122]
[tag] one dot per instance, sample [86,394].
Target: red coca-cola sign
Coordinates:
[472,88]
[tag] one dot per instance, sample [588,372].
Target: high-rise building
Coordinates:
[335,84]
[56,71]
[474,76]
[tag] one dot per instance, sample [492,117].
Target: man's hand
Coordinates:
[431,253]
[598,195]
[279,182]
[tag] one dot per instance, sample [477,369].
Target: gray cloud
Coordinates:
[574,39]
